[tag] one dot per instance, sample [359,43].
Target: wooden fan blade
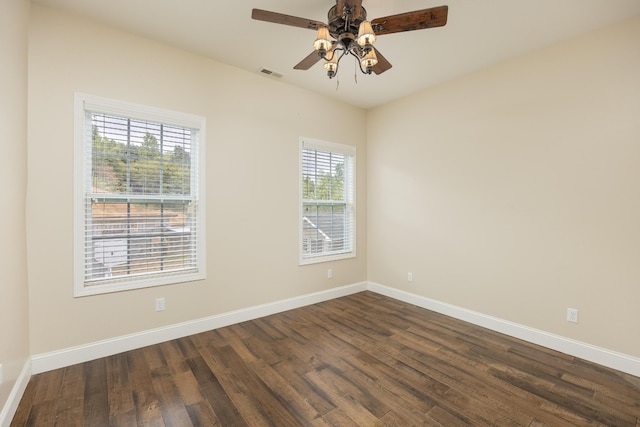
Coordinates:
[417,20]
[280,18]
[308,62]
[382,65]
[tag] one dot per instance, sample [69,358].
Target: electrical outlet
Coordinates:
[159,304]
[330,273]
[572,315]
[410,277]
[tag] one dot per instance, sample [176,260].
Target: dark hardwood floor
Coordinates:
[359,360]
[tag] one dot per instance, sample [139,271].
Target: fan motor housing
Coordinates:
[338,20]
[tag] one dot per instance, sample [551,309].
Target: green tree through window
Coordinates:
[327,201]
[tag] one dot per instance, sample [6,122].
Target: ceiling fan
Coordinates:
[348,32]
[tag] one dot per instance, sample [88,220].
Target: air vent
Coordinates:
[270,73]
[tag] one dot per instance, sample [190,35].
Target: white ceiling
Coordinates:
[478,33]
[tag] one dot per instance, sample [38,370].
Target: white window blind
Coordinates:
[141,211]
[327,222]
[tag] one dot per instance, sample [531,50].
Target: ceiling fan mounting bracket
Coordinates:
[342,22]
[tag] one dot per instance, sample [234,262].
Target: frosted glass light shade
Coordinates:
[369,60]
[323,40]
[366,36]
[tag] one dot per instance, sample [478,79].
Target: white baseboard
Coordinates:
[602,356]
[11,406]
[83,353]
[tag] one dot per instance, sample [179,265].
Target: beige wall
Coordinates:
[515,191]
[14,326]
[253,126]
[512,191]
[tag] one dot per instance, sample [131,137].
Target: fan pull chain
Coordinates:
[355,72]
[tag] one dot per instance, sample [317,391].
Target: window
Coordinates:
[327,194]
[139,213]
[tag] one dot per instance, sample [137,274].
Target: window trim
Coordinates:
[333,147]
[84,102]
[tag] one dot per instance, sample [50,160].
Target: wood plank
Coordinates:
[313,395]
[350,405]
[247,391]
[295,403]
[174,412]
[96,400]
[202,415]
[122,408]
[70,403]
[26,403]
[211,389]
[49,385]
[42,414]
[147,406]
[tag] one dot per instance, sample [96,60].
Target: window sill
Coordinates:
[83,291]
[326,258]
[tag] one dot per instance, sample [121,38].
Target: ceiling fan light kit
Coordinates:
[362,49]
[348,32]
